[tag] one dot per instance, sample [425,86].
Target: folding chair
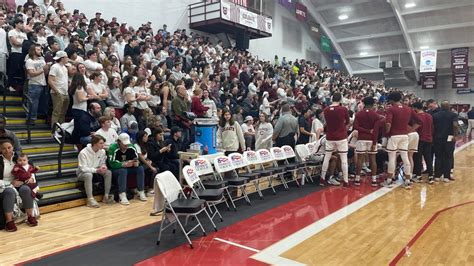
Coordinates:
[290,155]
[279,156]
[211,196]
[240,163]
[176,206]
[223,165]
[278,171]
[204,169]
[252,159]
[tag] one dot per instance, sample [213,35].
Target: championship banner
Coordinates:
[325,44]
[429,81]
[459,60]
[460,80]
[301,12]
[428,61]
[336,61]
[242,16]
[286,3]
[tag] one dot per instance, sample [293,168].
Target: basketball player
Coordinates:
[367,122]
[397,128]
[337,119]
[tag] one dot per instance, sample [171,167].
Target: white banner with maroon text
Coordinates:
[239,15]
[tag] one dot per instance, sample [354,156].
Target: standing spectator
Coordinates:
[337,119]
[123,159]
[304,125]
[58,83]
[286,128]
[229,134]
[249,132]
[425,132]
[210,104]
[36,68]
[180,106]
[264,133]
[445,132]
[92,161]
[16,74]
[470,122]
[3,45]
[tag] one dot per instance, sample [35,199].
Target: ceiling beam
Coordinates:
[370,36]
[396,9]
[361,19]
[428,8]
[340,5]
[322,24]
[442,27]
[447,46]
[368,71]
[379,53]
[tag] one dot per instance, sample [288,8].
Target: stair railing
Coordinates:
[60,136]
[25,103]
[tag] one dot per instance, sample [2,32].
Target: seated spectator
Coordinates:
[25,172]
[162,114]
[128,116]
[92,162]
[196,105]
[115,123]
[249,133]
[132,131]
[8,185]
[106,131]
[115,99]
[86,125]
[176,145]
[123,159]
[157,152]
[5,133]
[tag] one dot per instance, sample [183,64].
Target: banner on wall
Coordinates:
[301,12]
[460,80]
[429,81]
[336,61]
[428,61]
[459,60]
[286,3]
[240,15]
[325,44]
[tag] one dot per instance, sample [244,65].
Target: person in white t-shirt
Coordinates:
[96,90]
[91,63]
[106,131]
[35,68]
[3,45]
[58,83]
[263,138]
[15,71]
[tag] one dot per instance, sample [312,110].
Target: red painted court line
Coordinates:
[421,231]
[260,231]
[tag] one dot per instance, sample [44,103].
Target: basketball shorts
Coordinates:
[365,146]
[413,139]
[340,146]
[397,143]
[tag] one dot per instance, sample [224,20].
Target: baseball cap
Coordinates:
[148,131]
[133,124]
[59,55]
[248,118]
[124,138]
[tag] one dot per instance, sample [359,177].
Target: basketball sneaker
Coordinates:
[430,180]
[334,182]
[416,179]
[357,181]
[388,183]
[407,184]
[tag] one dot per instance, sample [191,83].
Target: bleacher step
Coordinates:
[61,196]
[45,148]
[52,165]
[22,121]
[69,172]
[59,184]
[52,155]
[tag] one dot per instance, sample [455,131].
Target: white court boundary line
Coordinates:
[271,254]
[235,244]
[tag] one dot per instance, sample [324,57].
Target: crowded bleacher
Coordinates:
[128,96]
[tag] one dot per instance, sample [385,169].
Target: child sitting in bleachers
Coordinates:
[23,171]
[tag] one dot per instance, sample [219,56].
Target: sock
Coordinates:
[357,178]
[374,178]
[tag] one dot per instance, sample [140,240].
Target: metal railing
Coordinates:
[25,103]
[60,136]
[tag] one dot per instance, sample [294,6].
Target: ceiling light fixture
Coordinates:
[363,53]
[343,17]
[424,47]
[410,5]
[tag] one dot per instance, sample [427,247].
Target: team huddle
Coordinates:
[381,134]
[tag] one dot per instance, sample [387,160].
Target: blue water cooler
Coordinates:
[206,134]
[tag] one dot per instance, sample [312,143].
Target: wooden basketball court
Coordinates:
[429,224]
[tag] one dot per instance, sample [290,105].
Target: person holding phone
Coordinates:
[158,151]
[123,160]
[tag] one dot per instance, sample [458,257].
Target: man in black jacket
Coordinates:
[86,124]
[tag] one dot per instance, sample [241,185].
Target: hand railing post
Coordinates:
[60,140]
